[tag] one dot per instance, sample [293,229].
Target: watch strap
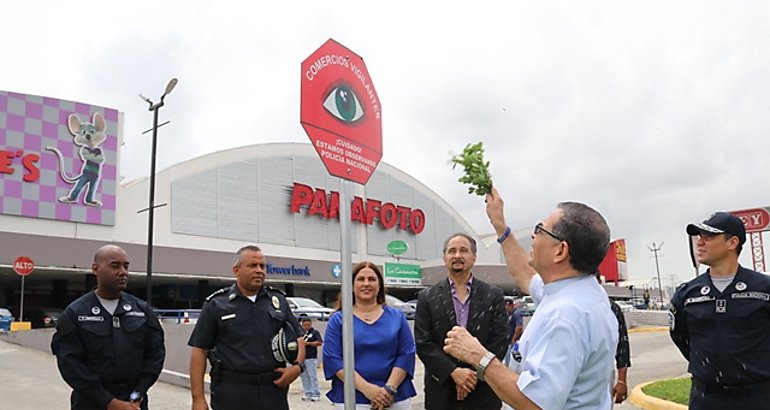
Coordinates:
[482,367]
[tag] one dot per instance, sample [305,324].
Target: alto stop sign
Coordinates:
[341,113]
[23,265]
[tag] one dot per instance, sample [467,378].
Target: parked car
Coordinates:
[44,317]
[625,305]
[397,303]
[6,318]
[526,304]
[308,308]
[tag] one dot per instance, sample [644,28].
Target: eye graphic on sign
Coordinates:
[343,103]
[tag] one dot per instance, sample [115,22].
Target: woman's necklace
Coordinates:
[367,316]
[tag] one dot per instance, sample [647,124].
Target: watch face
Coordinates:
[134,396]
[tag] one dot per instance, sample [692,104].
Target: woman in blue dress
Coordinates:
[383,347]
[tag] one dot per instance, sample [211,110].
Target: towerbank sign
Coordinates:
[388,214]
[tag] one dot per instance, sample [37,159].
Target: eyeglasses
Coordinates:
[539,228]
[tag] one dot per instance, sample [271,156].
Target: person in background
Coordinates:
[720,321]
[108,344]
[252,339]
[313,341]
[459,300]
[619,389]
[383,348]
[515,328]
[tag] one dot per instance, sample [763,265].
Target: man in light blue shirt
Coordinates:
[568,348]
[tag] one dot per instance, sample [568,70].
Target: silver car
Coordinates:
[406,308]
[308,308]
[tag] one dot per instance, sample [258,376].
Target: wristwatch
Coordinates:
[134,397]
[482,367]
[301,367]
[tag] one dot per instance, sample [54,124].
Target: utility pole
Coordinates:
[655,249]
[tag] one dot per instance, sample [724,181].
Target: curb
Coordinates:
[648,329]
[639,399]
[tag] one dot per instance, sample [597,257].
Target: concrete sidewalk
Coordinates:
[31,380]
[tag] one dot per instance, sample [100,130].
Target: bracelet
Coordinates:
[622,382]
[390,389]
[504,236]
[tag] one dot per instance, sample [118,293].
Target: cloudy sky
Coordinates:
[655,113]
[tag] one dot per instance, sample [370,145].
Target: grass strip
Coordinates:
[675,390]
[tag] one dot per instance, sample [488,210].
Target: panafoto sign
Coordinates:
[402,274]
[326,205]
[58,159]
[341,113]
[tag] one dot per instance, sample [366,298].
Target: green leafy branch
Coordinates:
[476,170]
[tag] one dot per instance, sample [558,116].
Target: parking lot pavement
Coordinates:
[31,381]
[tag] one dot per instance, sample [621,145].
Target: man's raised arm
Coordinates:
[516,258]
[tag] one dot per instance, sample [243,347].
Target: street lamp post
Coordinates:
[155,108]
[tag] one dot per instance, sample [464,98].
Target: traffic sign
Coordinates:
[23,265]
[341,113]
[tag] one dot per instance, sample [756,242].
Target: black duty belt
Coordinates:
[247,378]
[120,389]
[118,386]
[732,390]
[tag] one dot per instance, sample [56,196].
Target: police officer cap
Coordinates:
[720,222]
[284,345]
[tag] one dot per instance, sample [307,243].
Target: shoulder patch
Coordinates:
[270,288]
[216,293]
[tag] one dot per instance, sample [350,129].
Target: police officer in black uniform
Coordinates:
[109,344]
[720,321]
[252,339]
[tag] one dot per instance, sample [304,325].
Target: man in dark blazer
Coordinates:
[459,300]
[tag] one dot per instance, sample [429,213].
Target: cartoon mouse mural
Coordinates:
[89,137]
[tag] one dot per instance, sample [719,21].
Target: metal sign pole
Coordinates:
[346,260]
[21,303]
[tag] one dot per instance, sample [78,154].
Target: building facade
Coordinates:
[58,207]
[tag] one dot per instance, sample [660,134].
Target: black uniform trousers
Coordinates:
[707,397]
[248,396]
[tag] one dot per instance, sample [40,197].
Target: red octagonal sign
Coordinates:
[23,265]
[341,113]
